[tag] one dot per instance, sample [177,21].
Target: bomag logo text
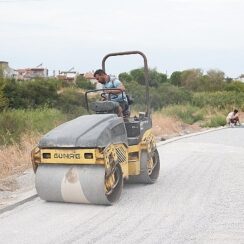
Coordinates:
[67,155]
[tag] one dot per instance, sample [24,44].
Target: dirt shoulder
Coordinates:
[167,127]
[16,187]
[16,174]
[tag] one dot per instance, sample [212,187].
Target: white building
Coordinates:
[69,76]
[6,71]
[241,78]
[90,76]
[31,73]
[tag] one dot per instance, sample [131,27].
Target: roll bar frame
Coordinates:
[146,72]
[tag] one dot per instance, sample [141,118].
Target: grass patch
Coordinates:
[220,100]
[14,123]
[215,121]
[187,113]
[15,158]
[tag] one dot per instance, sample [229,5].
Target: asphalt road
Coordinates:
[199,198]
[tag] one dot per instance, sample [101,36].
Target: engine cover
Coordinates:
[96,130]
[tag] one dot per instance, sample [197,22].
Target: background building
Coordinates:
[6,71]
[69,76]
[31,73]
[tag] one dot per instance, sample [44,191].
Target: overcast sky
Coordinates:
[174,34]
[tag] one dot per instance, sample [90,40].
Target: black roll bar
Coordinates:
[146,73]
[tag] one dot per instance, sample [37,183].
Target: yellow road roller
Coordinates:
[88,159]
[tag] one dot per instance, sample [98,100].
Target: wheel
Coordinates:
[114,184]
[149,168]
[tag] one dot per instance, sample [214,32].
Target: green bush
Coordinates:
[155,78]
[84,83]
[215,121]
[30,94]
[43,92]
[175,78]
[12,125]
[125,77]
[138,93]
[235,86]
[166,94]
[219,100]
[3,99]
[187,113]
[170,95]
[71,102]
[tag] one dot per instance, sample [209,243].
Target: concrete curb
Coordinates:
[18,203]
[159,144]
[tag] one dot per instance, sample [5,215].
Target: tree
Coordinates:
[163,78]
[155,78]
[125,77]
[228,80]
[138,75]
[175,78]
[216,79]
[84,83]
[190,79]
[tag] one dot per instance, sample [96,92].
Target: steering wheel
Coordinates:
[104,96]
[107,96]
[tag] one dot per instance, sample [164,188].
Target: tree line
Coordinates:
[181,87]
[191,79]
[191,86]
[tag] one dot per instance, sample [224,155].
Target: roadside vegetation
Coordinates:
[190,96]
[28,109]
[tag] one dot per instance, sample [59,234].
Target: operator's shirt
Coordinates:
[114,83]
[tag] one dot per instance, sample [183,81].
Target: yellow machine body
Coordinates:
[127,156]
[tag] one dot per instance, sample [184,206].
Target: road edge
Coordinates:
[159,144]
[16,204]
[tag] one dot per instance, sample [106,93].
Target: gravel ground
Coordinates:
[198,198]
[16,187]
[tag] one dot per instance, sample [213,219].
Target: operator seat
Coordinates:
[105,107]
[110,107]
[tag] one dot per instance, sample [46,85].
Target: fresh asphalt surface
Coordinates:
[199,198]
